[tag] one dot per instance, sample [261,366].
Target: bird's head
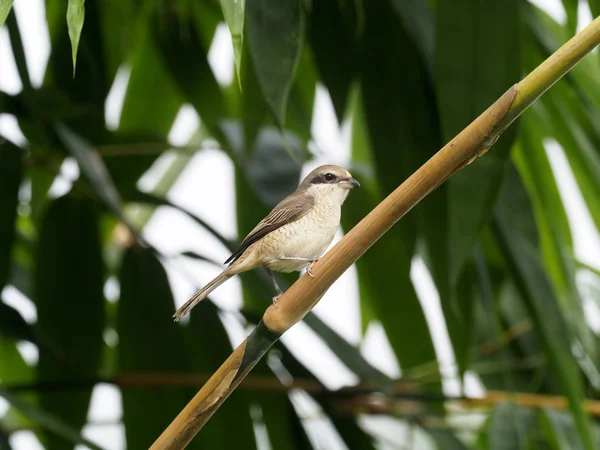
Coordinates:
[329,181]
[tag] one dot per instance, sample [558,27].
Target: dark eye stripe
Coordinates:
[322,179]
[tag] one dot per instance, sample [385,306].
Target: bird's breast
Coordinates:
[308,238]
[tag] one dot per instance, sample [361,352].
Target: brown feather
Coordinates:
[288,210]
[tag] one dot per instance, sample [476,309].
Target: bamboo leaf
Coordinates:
[511,427]
[474,66]
[93,168]
[233,12]
[149,342]
[571,11]
[147,72]
[418,20]
[516,232]
[253,106]
[300,107]
[70,304]
[13,326]
[275,30]
[401,120]
[11,172]
[561,429]
[334,33]
[555,234]
[75,17]
[386,266]
[5,6]
[185,57]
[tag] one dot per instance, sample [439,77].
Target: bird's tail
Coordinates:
[201,294]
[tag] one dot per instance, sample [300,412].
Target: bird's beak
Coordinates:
[349,183]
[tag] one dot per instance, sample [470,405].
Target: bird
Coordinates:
[293,236]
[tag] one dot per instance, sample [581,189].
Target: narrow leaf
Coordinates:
[149,341]
[13,326]
[185,57]
[11,172]
[75,16]
[571,7]
[70,305]
[275,30]
[418,19]
[233,12]
[516,232]
[386,266]
[555,234]
[5,6]
[93,168]
[474,65]
[334,33]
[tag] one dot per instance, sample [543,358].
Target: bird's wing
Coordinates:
[288,210]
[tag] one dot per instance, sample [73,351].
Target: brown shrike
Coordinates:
[294,234]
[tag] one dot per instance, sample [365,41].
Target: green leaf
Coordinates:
[474,66]
[5,6]
[93,168]
[300,105]
[233,12]
[75,16]
[571,10]
[275,30]
[13,368]
[49,422]
[561,429]
[185,56]
[385,268]
[208,346]
[85,105]
[11,173]
[511,427]
[13,326]
[418,20]
[515,230]
[334,33]
[555,234]
[149,342]
[147,72]
[252,104]
[70,305]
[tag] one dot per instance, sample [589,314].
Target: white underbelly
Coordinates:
[307,239]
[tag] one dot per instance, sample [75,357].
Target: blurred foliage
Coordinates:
[403,77]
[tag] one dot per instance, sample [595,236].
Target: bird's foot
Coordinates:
[309,268]
[277,297]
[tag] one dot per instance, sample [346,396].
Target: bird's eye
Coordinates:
[329,176]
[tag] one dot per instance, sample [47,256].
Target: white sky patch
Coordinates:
[220,55]
[185,125]
[31,18]
[554,8]
[113,106]
[586,239]
[10,82]
[9,129]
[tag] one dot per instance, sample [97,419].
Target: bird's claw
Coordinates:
[309,268]
[277,297]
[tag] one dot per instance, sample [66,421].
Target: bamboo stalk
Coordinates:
[302,296]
